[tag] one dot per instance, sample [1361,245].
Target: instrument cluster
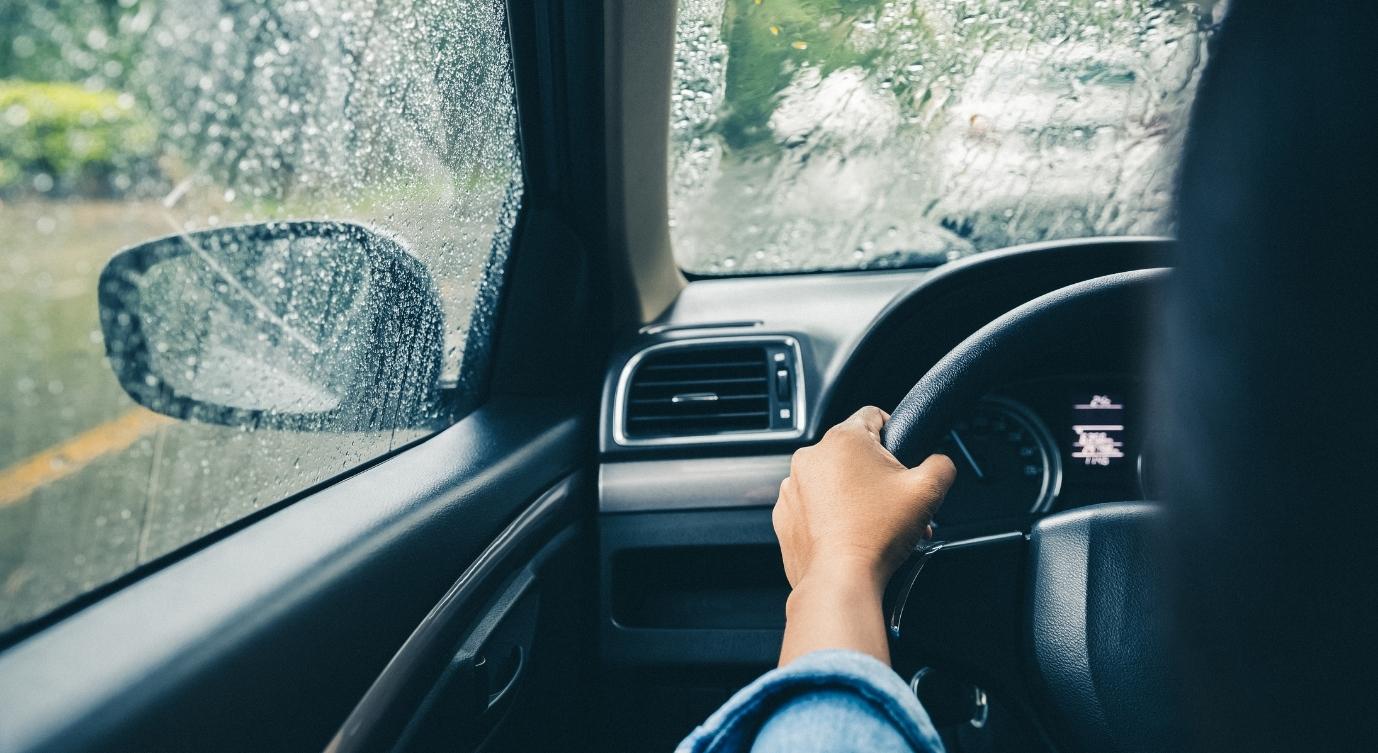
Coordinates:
[1046,445]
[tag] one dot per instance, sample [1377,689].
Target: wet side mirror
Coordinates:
[298,325]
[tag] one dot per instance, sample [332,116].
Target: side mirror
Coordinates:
[297,325]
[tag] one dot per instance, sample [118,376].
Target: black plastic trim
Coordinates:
[622,645]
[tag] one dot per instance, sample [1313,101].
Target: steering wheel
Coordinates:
[1059,621]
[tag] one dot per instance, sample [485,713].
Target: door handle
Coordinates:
[482,679]
[498,651]
[501,678]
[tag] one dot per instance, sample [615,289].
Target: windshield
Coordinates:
[852,134]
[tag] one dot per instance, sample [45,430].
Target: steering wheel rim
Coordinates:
[1051,618]
[1088,310]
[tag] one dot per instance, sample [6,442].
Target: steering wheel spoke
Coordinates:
[958,607]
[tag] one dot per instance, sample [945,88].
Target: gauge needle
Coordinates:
[967,454]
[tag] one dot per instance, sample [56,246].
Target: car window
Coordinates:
[840,134]
[303,157]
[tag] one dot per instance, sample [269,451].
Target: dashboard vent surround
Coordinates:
[709,389]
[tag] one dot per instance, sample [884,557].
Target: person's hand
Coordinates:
[847,517]
[849,503]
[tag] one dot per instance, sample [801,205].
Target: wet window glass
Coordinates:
[841,134]
[244,248]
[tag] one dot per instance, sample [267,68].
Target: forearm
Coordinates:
[826,701]
[839,608]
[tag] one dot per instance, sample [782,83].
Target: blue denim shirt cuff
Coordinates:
[887,698]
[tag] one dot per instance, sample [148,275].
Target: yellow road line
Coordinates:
[61,460]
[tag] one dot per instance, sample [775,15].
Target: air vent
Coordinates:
[715,388]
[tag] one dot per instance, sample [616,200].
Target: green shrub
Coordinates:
[84,142]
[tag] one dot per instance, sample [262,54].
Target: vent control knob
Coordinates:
[782,385]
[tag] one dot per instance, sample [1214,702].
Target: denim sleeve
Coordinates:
[824,702]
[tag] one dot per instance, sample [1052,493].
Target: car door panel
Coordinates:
[264,639]
[471,666]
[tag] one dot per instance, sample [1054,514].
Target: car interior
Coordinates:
[1158,538]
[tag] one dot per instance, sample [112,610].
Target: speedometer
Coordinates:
[1007,464]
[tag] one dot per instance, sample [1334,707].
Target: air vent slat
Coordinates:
[717,399]
[640,383]
[712,365]
[702,410]
[690,417]
[699,390]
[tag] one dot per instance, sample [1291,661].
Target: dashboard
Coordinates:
[703,408]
